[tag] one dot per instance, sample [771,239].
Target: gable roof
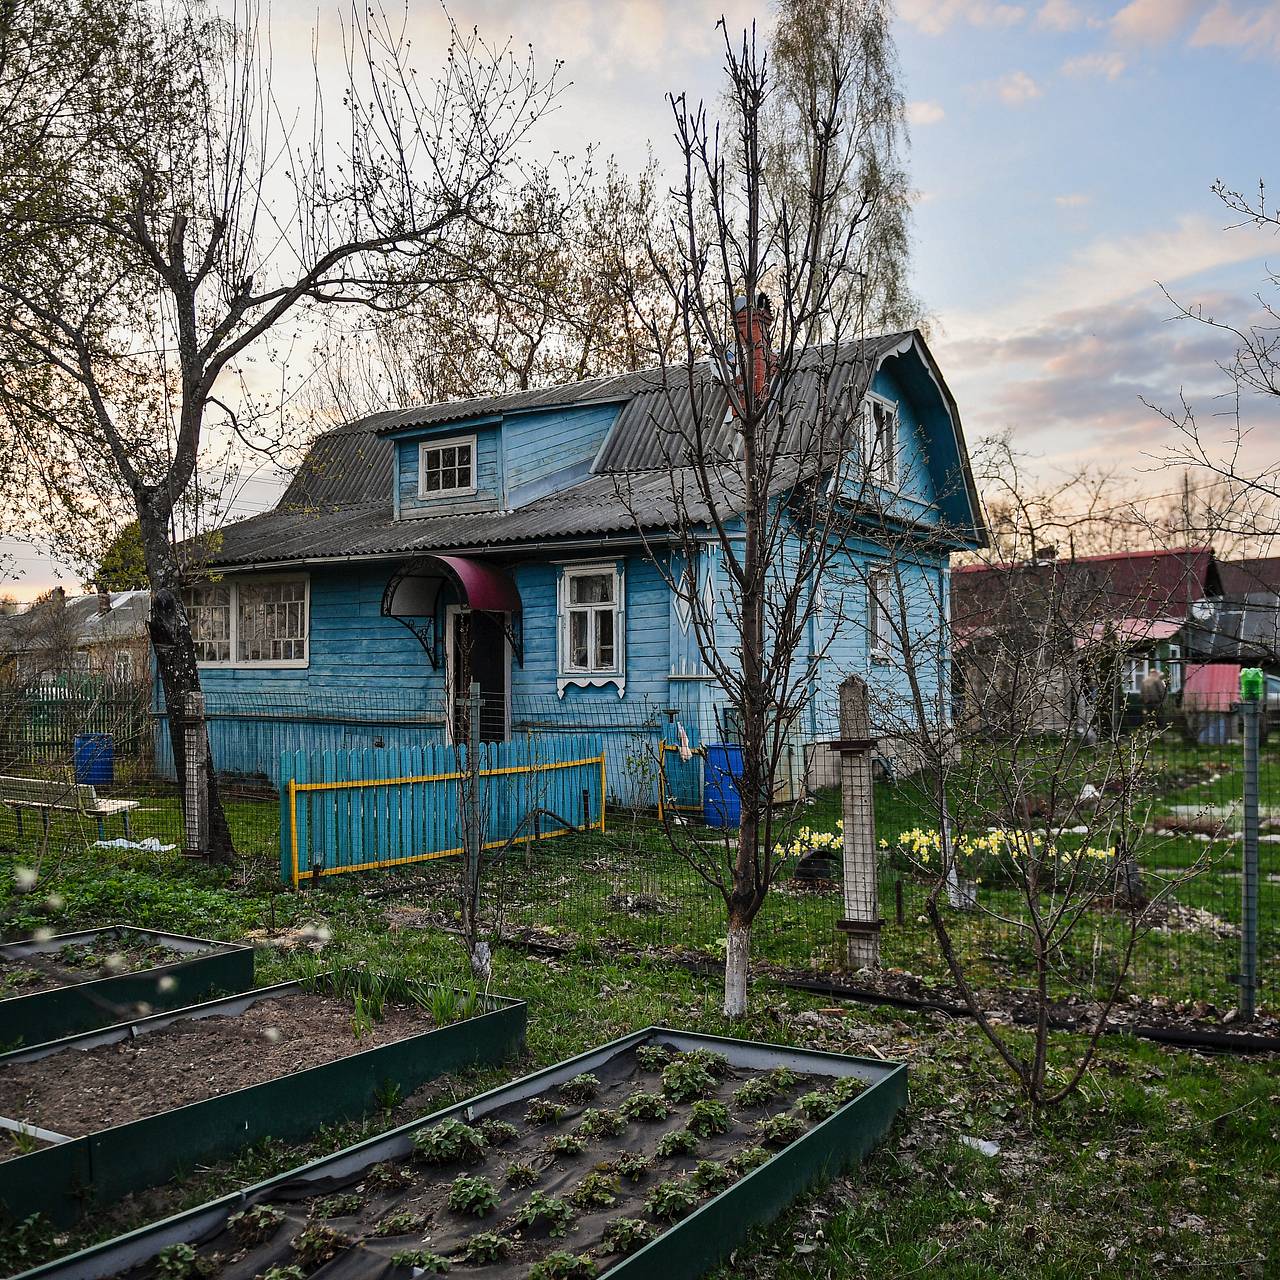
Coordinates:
[1250,575]
[82,623]
[339,501]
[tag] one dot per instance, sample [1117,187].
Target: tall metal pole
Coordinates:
[1251,693]
[472,907]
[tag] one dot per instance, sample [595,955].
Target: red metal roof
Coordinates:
[1213,685]
[486,587]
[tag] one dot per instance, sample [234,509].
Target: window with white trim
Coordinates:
[591,625]
[122,667]
[447,467]
[1175,668]
[879,622]
[879,443]
[263,623]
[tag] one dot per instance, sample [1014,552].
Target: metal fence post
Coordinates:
[1250,692]
[195,788]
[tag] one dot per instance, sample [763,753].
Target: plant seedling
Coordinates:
[779,1130]
[679,1142]
[317,1244]
[563,1266]
[711,1175]
[387,1176]
[645,1106]
[543,1112]
[683,1080]
[486,1246]
[254,1225]
[595,1191]
[520,1173]
[476,1196]
[581,1088]
[423,1259]
[541,1210]
[783,1078]
[601,1124]
[747,1159]
[707,1117]
[671,1200]
[388,1095]
[846,1089]
[652,1057]
[632,1165]
[339,1206]
[626,1235]
[817,1105]
[566,1144]
[448,1142]
[182,1262]
[498,1133]
[399,1223]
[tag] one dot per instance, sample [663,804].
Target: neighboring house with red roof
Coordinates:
[1065,638]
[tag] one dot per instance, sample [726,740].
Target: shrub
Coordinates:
[541,1210]
[632,1165]
[476,1196]
[563,1266]
[543,1112]
[671,1200]
[520,1173]
[652,1057]
[645,1106]
[595,1191]
[424,1259]
[779,1130]
[679,1142]
[626,1235]
[486,1246]
[498,1133]
[683,1080]
[602,1124]
[316,1245]
[566,1144]
[708,1117]
[817,1105]
[254,1225]
[451,1141]
[711,1175]
[581,1088]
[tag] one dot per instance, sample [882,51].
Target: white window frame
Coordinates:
[1175,668]
[122,667]
[566,674]
[451,442]
[1136,670]
[880,632]
[260,664]
[880,464]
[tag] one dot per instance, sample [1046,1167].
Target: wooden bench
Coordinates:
[49,795]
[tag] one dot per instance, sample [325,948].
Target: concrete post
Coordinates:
[861,923]
[195,787]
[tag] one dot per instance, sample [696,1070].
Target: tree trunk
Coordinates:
[737,969]
[179,676]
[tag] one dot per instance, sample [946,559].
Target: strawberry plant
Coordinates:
[671,1200]
[817,1105]
[747,1159]
[595,1191]
[581,1088]
[182,1262]
[757,1092]
[254,1225]
[421,1259]
[708,1117]
[645,1106]
[520,1173]
[546,1212]
[540,1111]
[399,1223]
[451,1141]
[715,1064]
[846,1089]
[317,1244]
[485,1247]
[476,1196]
[563,1266]
[679,1142]
[601,1124]
[339,1206]
[711,1175]
[652,1057]
[779,1130]
[632,1166]
[566,1144]
[498,1133]
[626,1235]
[684,1080]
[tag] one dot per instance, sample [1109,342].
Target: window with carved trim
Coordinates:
[256,623]
[591,620]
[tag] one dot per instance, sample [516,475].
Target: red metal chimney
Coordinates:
[754,324]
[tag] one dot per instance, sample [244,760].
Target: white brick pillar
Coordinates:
[861,923]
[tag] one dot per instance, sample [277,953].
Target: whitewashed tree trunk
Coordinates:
[737,969]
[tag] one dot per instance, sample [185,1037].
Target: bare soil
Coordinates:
[107,956]
[75,1092]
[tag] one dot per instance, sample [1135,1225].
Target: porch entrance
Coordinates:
[477,649]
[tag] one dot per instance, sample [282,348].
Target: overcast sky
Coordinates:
[1063,151]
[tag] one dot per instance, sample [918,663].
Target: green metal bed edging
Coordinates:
[212,968]
[65,1181]
[684,1251]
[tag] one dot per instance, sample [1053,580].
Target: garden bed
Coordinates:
[652,1156]
[75,982]
[130,1105]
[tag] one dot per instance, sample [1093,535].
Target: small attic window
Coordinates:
[447,467]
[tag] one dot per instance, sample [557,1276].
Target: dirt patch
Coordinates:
[80,1091]
[366,1220]
[106,956]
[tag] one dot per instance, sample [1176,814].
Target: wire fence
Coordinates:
[644,883]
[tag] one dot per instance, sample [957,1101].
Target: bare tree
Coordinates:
[194,217]
[751,486]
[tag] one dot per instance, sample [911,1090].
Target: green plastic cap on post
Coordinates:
[1251,684]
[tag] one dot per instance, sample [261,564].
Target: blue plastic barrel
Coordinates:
[721,803]
[95,756]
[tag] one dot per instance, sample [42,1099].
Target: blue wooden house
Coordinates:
[419,549]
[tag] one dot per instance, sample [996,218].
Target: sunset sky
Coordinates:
[1063,151]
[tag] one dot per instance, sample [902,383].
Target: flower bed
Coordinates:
[73,982]
[651,1156]
[128,1106]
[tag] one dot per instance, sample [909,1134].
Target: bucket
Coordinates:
[721,803]
[95,758]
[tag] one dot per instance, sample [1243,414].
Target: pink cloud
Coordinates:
[1255,28]
[1109,66]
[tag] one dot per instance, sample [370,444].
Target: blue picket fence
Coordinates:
[344,811]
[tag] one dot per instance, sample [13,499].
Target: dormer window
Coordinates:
[879,444]
[447,467]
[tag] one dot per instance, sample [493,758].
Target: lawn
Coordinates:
[1166,1162]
